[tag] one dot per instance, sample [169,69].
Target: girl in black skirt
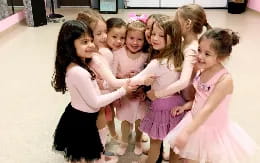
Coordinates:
[76,135]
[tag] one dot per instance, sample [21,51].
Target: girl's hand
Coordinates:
[149,79]
[100,83]
[181,140]
[177,110]
[129,87]
[142,96]
[151,95]
[121,76]
[132,73]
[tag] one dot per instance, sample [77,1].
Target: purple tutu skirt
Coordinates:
[158,122]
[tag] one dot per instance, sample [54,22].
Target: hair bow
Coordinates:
[135,17]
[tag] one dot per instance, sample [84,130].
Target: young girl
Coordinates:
[149,23]
[128,61]
[206,134]
[166,62]
[116,32]
[76,135]
[98,25]
[192,19]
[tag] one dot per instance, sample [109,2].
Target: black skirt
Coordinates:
[77,137]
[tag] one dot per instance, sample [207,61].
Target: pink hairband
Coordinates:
[134,17]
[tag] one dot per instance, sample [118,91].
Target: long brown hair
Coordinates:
[172,52]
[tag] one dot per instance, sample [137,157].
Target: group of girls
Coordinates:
[104,65]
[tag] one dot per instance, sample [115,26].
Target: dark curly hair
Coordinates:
[66,52]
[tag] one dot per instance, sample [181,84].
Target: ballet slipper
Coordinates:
[122,148]
[138,148]
[145,138]
[103,135]
[115,139]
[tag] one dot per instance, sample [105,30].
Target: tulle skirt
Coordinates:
[131,110]
[214,144]
[77,137]
[159,121]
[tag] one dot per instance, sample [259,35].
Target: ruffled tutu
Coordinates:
[77,137]
[131,110]
[214,144]
[158,121]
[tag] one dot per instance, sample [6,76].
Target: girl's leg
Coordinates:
[101,119]
[190,161]
[154,151]
[174,158]
[138,138]
[103,131]
[111,124]
[125,129]
[166,151]
[101,125]
[145,138]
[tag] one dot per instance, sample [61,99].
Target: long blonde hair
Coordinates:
[196,14]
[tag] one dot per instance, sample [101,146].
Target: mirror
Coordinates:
[10,7]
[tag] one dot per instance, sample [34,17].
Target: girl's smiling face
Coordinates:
[84,46]
[134,40]
[207,56]
[100,34]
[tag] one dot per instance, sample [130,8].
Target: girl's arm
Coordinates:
[188,93]
[85,87]
[184,79]
[105,72]
[180,109]
[147,75]
[222,89]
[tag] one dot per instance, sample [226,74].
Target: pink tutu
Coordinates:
[214,144]
[131,110]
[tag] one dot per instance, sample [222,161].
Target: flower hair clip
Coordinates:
[136,17]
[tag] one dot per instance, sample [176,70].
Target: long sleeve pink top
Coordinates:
[102,65]
[123,64]
[85,93]
[165,74]
[190,51]
[108,55]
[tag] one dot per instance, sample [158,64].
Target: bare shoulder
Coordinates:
[225,83]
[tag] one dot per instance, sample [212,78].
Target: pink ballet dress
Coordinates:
[218,139]
[131,109]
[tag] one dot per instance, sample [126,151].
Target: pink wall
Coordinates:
[254,4]
[11,20]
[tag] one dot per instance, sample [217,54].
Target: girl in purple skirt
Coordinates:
[166,64]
